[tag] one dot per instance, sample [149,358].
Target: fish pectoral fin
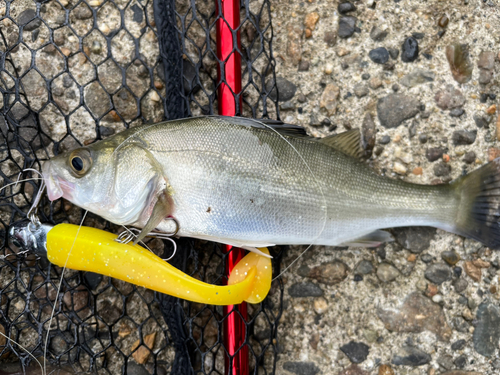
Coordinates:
[162,208]
[348,143]
[372,239]
[257,251]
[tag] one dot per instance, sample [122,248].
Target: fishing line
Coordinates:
[320,189]
[30,169]
[18,181]
[31,214]
[150,126]
[58,291]
[133,135]
[30,179]
[34,207]
[17,254]
[26,350]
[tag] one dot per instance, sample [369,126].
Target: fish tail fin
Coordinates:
[478,214]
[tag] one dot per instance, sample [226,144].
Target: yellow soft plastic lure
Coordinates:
[94,250]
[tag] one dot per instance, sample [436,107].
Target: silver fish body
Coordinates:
[240,182]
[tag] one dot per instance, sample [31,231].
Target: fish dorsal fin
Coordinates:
[267,124]
[348,142]
[284,128]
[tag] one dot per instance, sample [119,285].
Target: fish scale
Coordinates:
[248,186]
[245,183]
[260,190]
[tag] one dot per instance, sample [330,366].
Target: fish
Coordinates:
[252,183]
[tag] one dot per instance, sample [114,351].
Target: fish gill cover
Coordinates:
[73,72]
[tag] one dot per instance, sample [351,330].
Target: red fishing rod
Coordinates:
[229,69]
[229,73]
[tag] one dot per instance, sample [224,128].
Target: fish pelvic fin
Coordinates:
[372,239]
[161,209]
[478,215]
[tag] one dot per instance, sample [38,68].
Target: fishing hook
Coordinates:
[130,234]
[32,212]
[24,252]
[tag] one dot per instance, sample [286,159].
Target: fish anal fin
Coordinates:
[162,208]
[348,143]
[372,239]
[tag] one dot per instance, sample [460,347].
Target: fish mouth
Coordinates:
[56,186]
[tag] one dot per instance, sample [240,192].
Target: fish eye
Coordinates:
[77,164]
[80,162]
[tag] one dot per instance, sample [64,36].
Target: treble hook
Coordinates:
[129,235]
[24,252]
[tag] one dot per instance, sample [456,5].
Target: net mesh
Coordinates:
[73,72]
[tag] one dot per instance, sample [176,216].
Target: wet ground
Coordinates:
[427,303]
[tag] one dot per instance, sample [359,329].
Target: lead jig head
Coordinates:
[31,237]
